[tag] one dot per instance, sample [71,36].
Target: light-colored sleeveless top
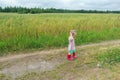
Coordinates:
[71,45]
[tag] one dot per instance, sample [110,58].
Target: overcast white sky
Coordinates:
[65,4]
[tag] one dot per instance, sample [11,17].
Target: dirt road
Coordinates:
[45,60]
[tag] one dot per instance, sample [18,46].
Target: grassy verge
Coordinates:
[4,77]
[109,57]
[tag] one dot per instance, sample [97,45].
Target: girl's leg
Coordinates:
[74,54]
[69,55]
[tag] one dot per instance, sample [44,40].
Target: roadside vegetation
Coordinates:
[20,32]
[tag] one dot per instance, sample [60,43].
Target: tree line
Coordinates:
[24,10]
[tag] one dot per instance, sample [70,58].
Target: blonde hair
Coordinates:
[73,31]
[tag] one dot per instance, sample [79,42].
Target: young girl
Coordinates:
[71,47]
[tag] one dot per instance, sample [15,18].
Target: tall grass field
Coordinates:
[19,32]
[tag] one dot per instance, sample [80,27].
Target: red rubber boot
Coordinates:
[74,55]
[69,57]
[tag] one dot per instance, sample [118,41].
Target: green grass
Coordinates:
[4,77]
[109,57]
[19,32]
